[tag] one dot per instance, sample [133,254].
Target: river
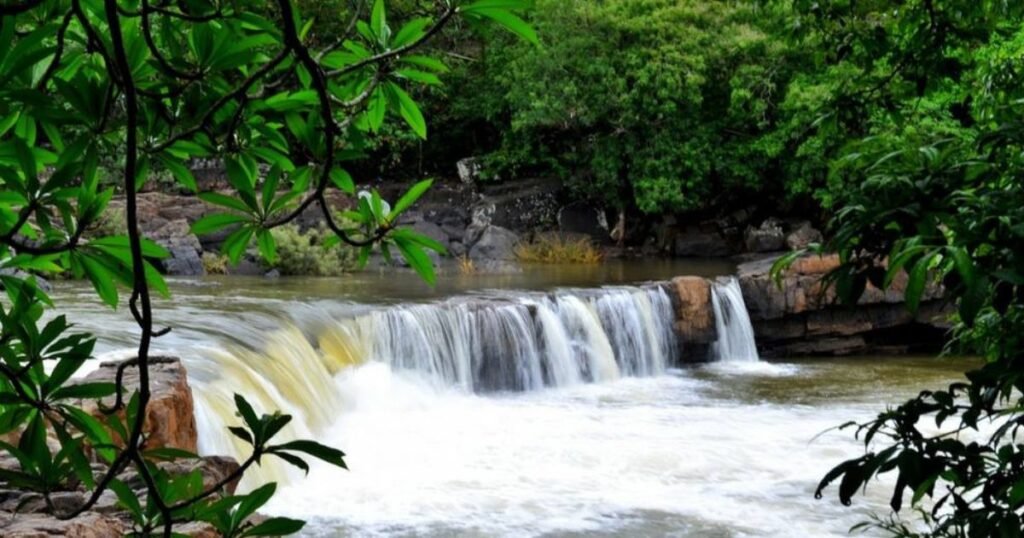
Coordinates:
[501,438]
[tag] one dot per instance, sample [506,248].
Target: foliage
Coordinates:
[304,253]
[215,263]
[142,86]
[674,105]
[559,249]
[930,184]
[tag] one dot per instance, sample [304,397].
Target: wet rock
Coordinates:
[695,319]
[494,243]
[802,235]
[768,237]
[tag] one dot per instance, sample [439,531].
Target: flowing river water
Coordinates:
[529,404]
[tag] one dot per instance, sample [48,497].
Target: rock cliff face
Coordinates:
[803,318]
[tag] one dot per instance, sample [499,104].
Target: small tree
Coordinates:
[152,84]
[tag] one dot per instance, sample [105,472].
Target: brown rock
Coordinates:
[695,319]
[170,418]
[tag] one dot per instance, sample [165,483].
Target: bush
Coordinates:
[215,264]
[304,253]
[558,249]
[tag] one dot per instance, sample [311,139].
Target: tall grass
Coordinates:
[558,249]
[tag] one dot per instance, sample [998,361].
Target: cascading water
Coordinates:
[735,333]
[478,345]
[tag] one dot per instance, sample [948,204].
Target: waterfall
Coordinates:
[735,333]
[510,342]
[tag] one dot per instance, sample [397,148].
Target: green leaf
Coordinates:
[276,526]
[918,281]
[425,62]
[410,197]
[417,259]
[102,279]
[410,32]
[247,413]
[409,110]
[90,391]
[253,501]
[212,223]
[180,172]
[317,450]
[236,243]
[126,498]
[224,201]
[265,242]
[505,19]
[343,180]
[378,18]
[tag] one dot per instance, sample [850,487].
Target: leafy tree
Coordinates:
[152,84]
[931,184]
[656,105]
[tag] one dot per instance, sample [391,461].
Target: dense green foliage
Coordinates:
[654,104]
[932,184]
[144,87]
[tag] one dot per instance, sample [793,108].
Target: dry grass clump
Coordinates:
[466,265]
[558,249]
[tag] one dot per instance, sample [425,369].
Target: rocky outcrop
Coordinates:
[186,251]
[802,317]
[802,235]
[494,243]
[170,416]
[768,237]
[695,319]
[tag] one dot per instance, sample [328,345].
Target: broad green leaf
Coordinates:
[216,221]
[410,197]
[507,20]
[409,110]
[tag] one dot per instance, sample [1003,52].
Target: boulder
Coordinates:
[186,251]
[768,237]
[494,243]
[802,235]
[170,419]
[583,218]
[695,319]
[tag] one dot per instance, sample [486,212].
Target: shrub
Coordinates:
[304,253]
[215,264]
